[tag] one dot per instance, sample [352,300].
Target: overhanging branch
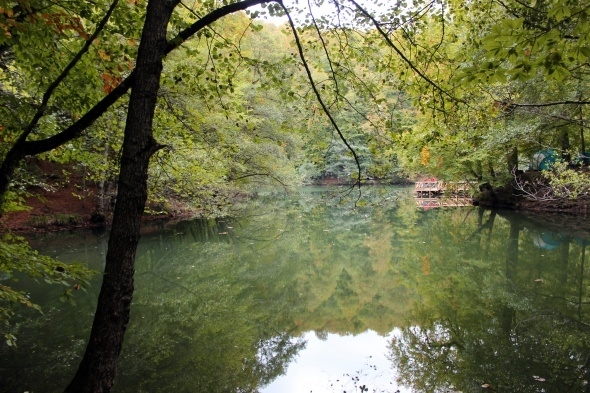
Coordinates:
[41,109]
[399,52]
[77,128]
[317,93]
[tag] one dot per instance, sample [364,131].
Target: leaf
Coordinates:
[558,73]
[559,12]
[584,53]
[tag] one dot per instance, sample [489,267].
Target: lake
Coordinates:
[308,293]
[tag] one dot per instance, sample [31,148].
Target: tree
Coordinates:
[97,369]
[517,75]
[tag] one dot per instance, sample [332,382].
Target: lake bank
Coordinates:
[508,197]
[63,208]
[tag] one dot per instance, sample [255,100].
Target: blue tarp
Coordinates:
[543,160]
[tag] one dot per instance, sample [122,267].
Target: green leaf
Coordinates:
[559,12]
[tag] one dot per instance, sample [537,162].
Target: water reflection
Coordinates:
[504,312]
[455,299]
[338,363]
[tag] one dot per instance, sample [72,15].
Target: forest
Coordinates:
[140,107]
[443,89]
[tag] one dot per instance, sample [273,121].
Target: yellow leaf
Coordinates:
[425,155]
[103,55]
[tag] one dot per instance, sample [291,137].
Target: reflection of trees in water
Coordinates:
[274,355]
[203,320]
[507,315]
[340,257]
[220,315]
[220,303]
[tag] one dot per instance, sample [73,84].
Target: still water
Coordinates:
[304,293]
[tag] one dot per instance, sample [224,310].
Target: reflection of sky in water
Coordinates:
[330,365]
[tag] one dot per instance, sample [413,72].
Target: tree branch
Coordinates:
[76,129]
[318,95]
[399,52]
[555,103]
[41,109]
[22,147]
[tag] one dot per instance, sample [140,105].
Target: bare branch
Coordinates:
[321,37]
[545,104]
[536,189]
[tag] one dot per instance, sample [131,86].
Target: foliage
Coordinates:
[567,182]
[468,117]
[18,259]
[512,79]
[487,83]
[558,183]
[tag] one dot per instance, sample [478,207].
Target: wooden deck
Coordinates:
[436,193]
[435,188]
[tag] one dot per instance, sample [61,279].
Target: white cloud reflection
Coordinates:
[333,364]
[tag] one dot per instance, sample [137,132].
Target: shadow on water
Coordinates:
[464,299]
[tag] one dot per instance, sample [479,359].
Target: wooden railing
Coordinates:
[436,193]
[433,188]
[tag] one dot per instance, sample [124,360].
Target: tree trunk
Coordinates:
[23,147]
[97,370]
[491,171]
[585,159]
[9,165]
[512,160]
[564,139]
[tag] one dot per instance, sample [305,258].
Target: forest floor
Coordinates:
[63,207]
[67,201]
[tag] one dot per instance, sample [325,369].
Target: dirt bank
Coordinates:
[65,207]
[508,197]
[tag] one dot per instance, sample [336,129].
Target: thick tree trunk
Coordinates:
[9,165]
[97,370]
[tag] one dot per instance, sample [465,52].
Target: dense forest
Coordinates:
[456,91]
[138,106]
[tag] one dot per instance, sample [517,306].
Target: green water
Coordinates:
[307,294]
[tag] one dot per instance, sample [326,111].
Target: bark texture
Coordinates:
[97,369]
